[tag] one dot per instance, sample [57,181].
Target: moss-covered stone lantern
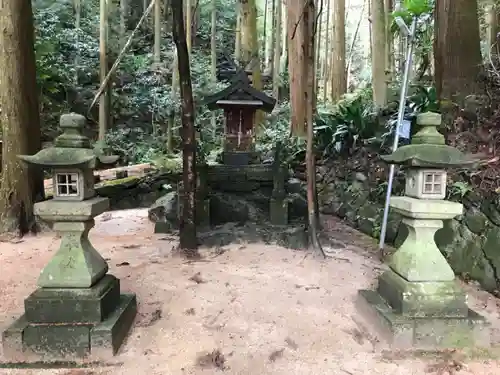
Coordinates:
[78,309]
[418,301]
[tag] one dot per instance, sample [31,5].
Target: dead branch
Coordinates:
[318,14]
[355,36]
[299,20]
[105,82]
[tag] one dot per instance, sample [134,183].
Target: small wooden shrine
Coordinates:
[240,101]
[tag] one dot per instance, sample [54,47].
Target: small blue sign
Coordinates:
[404,129]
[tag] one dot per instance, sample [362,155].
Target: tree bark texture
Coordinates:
[309,97]
[296,64]
[20,185]
[237,36]
[250,46]
[157,34]
[378,52]
[457,65]
[188,238]
[103,63]
[328,54]
[339,78]
[277,49]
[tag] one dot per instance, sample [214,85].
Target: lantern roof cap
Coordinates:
[428,149]
[71,149]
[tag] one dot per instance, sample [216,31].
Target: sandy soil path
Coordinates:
[259,309]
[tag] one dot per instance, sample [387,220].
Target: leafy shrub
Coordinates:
[422,99]
[351,120]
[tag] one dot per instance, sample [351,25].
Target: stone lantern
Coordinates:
[78,309]
[418,302]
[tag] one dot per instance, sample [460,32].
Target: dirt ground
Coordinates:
[244,309]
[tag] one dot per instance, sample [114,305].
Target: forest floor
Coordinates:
[246,309]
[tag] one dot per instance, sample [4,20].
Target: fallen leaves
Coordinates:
[150,318]
[214,359]
[197,278]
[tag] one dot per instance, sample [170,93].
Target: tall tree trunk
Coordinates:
[277,50]
[457,65]
[237,36]
[317,39]
[271,41]
[339,79]
[188,238]
[491,27]
[103,61]
[250,46]
[145,4]
[378,32]
[296,62]
[157,35]
[309,97]
[328,54]
[389,42]
[123,22]
[189,25]
[353,44]
[173,97]
[20,186]
[213,55]
[78,13]
[264,50]
[284,36]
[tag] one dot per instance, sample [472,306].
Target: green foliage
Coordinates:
[424,99]
[421,99]
[417,7]
[351,120]
[142,101]
[459,189]
[276,128]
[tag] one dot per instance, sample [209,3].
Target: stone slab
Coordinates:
[203,212]
[107,337]
[54,342]
[426,208]
[62,341]
[430,333]
[62,211]
[12,338]
[74,305]
[278,211]
[422,299]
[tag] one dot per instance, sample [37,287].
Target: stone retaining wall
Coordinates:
[136,192]
[470,242]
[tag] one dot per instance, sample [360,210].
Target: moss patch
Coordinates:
[118,181]
[168,164]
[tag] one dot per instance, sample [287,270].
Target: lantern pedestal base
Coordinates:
[427,333]
[69,323]
[418,303]
[444,299]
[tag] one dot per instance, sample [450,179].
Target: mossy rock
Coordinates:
[368,220]
[475,220]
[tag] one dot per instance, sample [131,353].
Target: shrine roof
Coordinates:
[240,93]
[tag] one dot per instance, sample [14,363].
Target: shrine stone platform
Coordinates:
[243,178]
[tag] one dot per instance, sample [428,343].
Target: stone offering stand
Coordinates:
[418,303]
[78,310]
